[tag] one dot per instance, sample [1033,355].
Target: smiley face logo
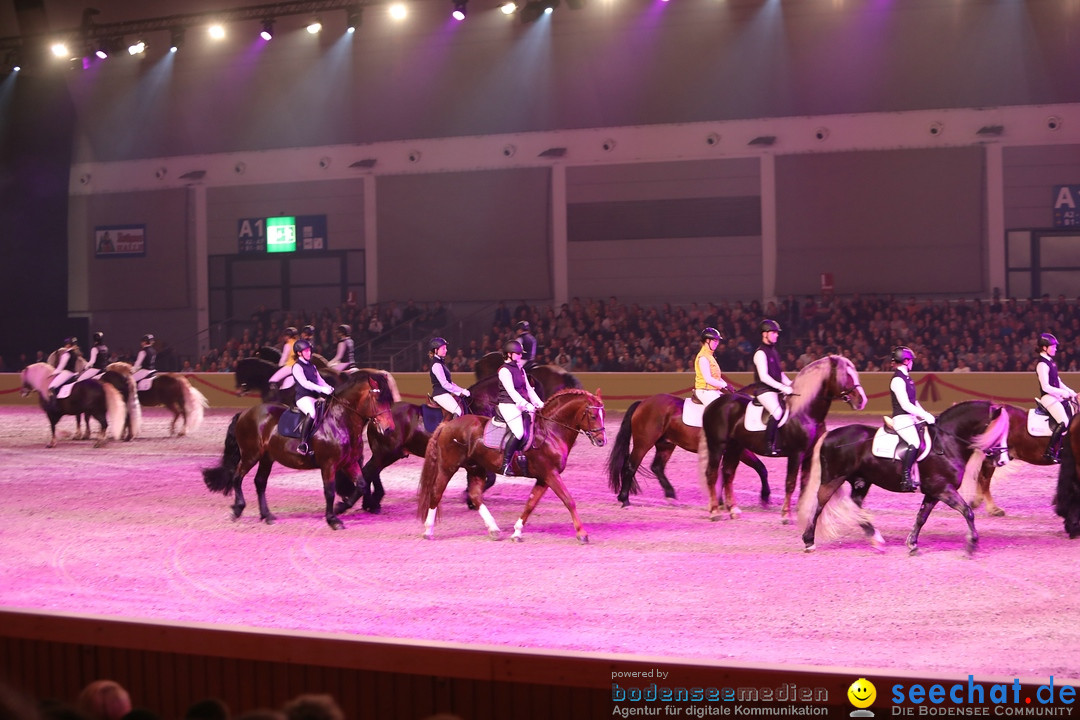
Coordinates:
[862,693]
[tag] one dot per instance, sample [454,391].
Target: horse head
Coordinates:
[369,395]
[994,441]
[35,377]
[845,383]
[831,377]
[588,419]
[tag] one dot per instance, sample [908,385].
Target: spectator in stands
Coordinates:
[209,709]
[104,700]
[313,707]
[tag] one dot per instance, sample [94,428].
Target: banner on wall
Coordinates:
[119,241]
[1066,206]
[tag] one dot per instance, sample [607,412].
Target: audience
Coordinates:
[104,700]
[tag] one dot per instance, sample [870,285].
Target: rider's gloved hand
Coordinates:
[466,393]
[787,390]
[930,419]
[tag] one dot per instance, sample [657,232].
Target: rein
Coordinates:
[590,433]
[335,400]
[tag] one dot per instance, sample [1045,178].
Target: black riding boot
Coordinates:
[304,448]
[771,427]
[1053,448]
[273,392]
[512,444]
[906,483]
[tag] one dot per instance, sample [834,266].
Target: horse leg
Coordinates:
[630,467]
[712,469]
[728,465]
[664,449]
[927,506]
[329,481]
[793,462]
[982,494]
[555,482]
[754,463]
[824,493]
[441,479]
[261,476]
[952,498]
[476,496]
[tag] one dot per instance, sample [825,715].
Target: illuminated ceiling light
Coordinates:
[508,8]
[176,38]
[353,18]
[60,50]
[103,50]
[314,26]
[217,31]
[137,48]
[398,11]
[459,9]
[267,33]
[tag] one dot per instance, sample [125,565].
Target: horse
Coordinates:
[546,379]
[844,456]
[724,436]
[252,374]
[656,422]
[1067,495]
[88,397]
[125,385]
[484,394]
[175,393]
[253,439]
[1022,446]
[459,443]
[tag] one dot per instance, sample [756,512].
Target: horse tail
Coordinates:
[995,435]
[114,411]
[808,496]
[840,511]
[220,478]
[620,453]
[425,492]
[570,380]
[395,394]
[134,407]
[194,404]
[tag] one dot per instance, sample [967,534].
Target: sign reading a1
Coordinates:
[281,234]
[1066,206]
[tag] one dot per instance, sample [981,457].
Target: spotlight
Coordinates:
[550,5]
[398,11]
[11,61]
[314,26]
[267,33]
[137,48]
[459,9]
[353,18]
[508,8]
[216,31]
[60,50]
[103,50]
[176,38]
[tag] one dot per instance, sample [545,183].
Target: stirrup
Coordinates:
[304,448]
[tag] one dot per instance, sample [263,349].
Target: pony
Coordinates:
[1067,496]
[175,393]
[963,436]
[656,422]
[88,398]
[253,439]
[252,374]
[460,443]
[724,436]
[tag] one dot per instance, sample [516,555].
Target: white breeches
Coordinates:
[283,372]
[140,375]
[60,378]
[906,428]
[1055,407]
[771,402]
[89,374]
[340,366]
[449,403]
[707,395]
[306,405]
[512,416]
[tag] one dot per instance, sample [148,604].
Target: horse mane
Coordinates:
[383,380]
[36,374]
[121,367]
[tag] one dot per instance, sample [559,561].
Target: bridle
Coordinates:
[373,396]
[589,411]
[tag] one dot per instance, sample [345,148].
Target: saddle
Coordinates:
[754,418]
[432,413]
[290,422]
[692,411]
[147,382]
[887,443]
[1039,421]
[497,432]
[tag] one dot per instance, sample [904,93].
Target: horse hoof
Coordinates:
[735,512]
[373,510]
[495,535]
[517,538]
[912,550]
[583,540]
[625,503]
[996,512]
[234,516]
[670,495]
[335,524]
[785,520]
[269,519]
[425,536]
[810,548]
[715,517]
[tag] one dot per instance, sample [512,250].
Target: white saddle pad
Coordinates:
[64,391]
[888,445]
[692,412]
[1038,425]
[755,416]
[145,384]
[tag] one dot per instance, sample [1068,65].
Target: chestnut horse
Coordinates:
[459,443]
[173,392]
[88,398]
[843,457]
[656,422]
[253,439]
[724,436]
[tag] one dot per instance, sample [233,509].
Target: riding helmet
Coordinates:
[148,338]
[1046,340]
[71,340]
[290,331]
[770,326]
[902,353]
[99,336]
[300,346]
[512,346]
[711,333]
[344,330]
[523,326]
[436,343]
[308,330]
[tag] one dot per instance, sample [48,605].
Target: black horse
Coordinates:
[253,374]
[843,457]
[1067,497]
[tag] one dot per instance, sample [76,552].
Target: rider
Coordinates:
[308,333]
[98,358]
[67,357]
[146,361]
[1055,394]
[345,357]
[309,386]
[767,371]
[707,380]
[528,343]
[516,397]
[287,358]
[443,388]
[907,413]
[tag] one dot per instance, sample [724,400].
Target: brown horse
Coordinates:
[656,422]
[546,379]
[725,438]
[88,398]
[253,439]
[175,393]
[459,443]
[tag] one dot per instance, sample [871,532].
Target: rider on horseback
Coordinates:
[1055,394]
[67,356]
[443,389]
[707,380]
[98,358]
[146,361]
[767,371]
[309,386]
[907,413]
[287,359]
[528,344]
[516,397]
[344,359]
